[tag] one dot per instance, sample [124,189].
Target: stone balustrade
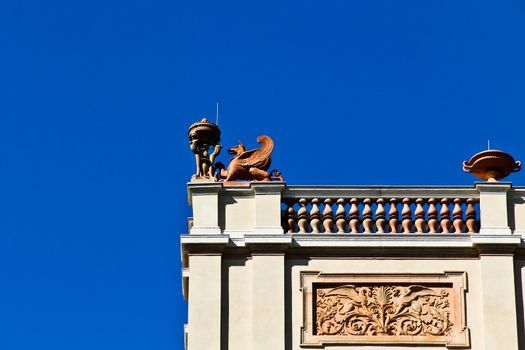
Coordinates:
[247,208]
[381,210]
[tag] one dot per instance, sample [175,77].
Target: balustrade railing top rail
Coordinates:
[380,191]
[380,209]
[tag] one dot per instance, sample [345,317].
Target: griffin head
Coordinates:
[238,149]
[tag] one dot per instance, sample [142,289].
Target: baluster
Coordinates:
[471,216]
[393,218]
[302,215]
[315,216]
[367,215]
[328,219]
[340,216]
[432,216]
[406,215]
[445,216]
[354,215]
[290,215]
[458,215]
[380,216]
[420,215]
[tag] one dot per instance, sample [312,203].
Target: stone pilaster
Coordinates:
[268,308]
[498,300]
[496,246]
[204,306]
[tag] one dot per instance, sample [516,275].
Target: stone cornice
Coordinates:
[413,244]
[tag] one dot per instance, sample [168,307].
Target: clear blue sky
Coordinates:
[96,98]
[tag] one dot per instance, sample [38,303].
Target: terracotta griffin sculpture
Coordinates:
[250,165]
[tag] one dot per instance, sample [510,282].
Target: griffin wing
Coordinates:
[257,158]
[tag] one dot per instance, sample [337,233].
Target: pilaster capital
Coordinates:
[496,244]
[268,244]
[202,244]
[493,187]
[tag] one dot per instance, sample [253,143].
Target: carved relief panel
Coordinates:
[384,309]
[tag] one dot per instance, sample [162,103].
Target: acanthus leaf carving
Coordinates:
[383,310]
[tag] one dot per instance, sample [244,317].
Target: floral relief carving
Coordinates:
[385,310]
[393,309]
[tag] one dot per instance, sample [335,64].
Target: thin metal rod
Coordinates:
[217,116]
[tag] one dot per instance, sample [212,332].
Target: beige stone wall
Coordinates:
[243,307]
[204,317]
[237,212]
[251,309]
[386,266]
[237,303]
[253,303]
[242,273]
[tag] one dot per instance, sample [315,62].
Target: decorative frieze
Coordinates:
[350,309]
[399,310]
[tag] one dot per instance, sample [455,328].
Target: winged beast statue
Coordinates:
[250,165]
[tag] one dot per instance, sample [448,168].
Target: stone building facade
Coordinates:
[273,266]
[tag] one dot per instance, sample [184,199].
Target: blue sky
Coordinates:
[96,98]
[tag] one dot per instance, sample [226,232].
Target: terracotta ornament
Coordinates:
[491,165]
[384,310]
[204,135]
[391,309]
[250,165]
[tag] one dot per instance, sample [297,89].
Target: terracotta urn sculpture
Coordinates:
[491,165]
[203,135]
